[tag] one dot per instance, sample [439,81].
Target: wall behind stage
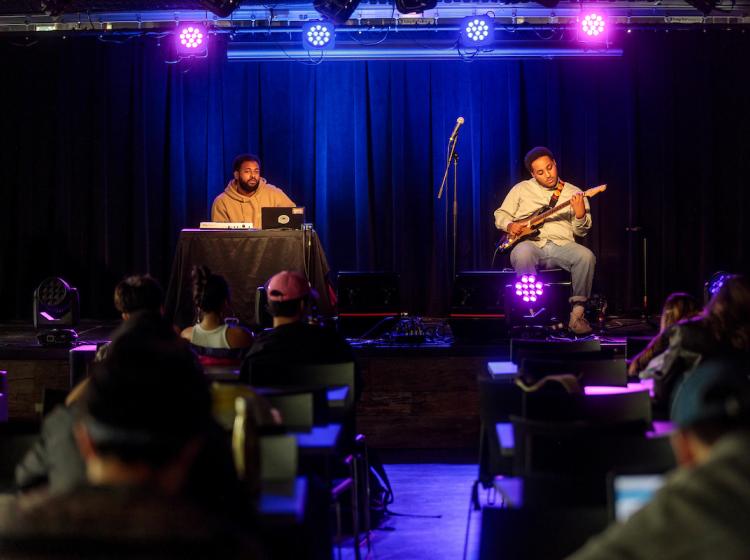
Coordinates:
[107,151]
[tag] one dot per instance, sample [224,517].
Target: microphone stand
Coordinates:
[452,158]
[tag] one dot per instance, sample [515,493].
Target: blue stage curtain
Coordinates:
[108,151]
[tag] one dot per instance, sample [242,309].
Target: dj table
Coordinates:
[247,259]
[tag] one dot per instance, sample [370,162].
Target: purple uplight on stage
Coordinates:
[593,25]
[529,288]
[192,40]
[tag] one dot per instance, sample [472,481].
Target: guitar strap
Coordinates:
[556,194]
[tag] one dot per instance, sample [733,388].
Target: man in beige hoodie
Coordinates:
[246,194]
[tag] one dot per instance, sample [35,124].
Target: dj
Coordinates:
[246,194]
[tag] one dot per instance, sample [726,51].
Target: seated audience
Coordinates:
[54,461]
[678,306]
[55,465]
[140,292]
[211,298]
[722,329]
[292,340]
[142,425]
[703,511]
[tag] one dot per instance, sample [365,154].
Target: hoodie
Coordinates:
[232,206]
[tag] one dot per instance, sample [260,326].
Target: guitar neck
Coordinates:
[547,213]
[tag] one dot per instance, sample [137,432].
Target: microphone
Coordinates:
[454,134]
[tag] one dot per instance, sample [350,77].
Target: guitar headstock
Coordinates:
[595,190]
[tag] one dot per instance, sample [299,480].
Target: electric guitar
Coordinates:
[532,223]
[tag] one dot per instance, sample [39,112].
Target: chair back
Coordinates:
[297,407]
[585,448]
[16,438]
[520,534]
[608,371]
[307,375]
[224,396]
[533,347]
[260,458]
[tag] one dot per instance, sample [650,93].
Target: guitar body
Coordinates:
[532,223]
[530,231]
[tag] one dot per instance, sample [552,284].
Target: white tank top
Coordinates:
[215,338]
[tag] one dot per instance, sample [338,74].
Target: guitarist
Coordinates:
[555,244]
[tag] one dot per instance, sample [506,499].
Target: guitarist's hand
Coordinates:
[515,228]
[577,204]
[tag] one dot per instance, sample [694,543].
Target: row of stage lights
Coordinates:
[476,31]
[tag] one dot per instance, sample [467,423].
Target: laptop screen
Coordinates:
[277,217]
[630,492]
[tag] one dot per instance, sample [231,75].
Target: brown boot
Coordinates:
[578,323]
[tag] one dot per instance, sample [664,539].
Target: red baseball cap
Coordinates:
[287,285]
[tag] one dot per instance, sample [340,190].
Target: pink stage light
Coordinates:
[192,40]
[593,25]
[528,289]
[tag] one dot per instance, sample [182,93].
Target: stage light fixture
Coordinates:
[415,6]
[477,31]
[192,40]
[715,283]
[55,303]
[318,35]
[338,11]
[593,25]
[529,289]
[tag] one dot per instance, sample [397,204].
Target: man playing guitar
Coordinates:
[555,244]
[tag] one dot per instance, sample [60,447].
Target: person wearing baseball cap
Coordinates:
[703,510]
[293,340]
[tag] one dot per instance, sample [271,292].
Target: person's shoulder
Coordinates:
[522,185]
[238,337]
[271,188]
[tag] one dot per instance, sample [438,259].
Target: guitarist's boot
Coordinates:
[578,323]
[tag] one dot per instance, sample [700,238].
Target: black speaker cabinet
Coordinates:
[478,305]
[366,298]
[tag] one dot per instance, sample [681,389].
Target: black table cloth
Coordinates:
[247,259]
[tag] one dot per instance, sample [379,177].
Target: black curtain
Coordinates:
[108,151]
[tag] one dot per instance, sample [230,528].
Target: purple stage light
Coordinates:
[593,25]
[192,40]
[528,289]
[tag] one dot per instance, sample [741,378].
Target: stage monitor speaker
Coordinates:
[478,305]
[368,292]
[550,308]
[56,304]
[365,298]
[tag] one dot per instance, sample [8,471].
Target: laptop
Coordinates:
[279,217]
[629,492]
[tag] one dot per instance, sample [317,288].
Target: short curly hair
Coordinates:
[242,158]
[534,154]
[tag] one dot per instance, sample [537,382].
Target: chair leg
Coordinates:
[366,484]
[354,466]
[338,529]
